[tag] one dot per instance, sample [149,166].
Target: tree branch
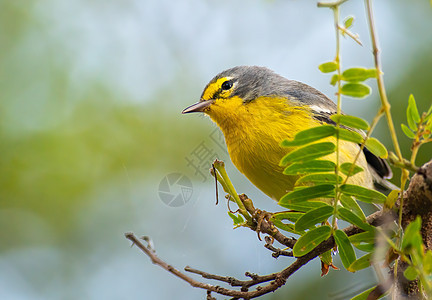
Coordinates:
[276,251]
[276,279]
[418,202]
[255,279]
[262,225]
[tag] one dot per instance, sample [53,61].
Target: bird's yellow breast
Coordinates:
[253,132]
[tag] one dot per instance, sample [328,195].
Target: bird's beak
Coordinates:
[197,107]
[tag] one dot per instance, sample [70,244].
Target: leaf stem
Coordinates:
[331,4]
[385,105]
[339,104]
[350,34]
[368,135]
[404,164]
[220,180]
[418,141]
[380,81]
[220,167]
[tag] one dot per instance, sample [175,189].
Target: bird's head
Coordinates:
[234,89]
[252,94]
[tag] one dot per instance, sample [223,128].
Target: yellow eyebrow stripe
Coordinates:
[213,88]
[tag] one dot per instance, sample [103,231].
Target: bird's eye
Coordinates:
[227,85]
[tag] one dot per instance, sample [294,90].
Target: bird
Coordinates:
[256,109]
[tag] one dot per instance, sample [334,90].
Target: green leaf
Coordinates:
[310,240]
[363,237]
[412,238]
[349,203]
[313,217]
[365,294]
[376,147]
[365,247]
[351,121]
[310,135]
[313,192]
[427,262]
[346,167]
[407,131]
[292,216]
[346,251]
[326,257]
[356,90]
[238,220]
[411,123]
[391,198]
[334,79]
[358,74]
[413,116]
[308,153]
[352,218]
[278,218]
[348,22]
[319,178]
[428,125]
[304,206]
[350,136]
[410,273]
[286,227]
[314,166]
[362,193]
[361,263]
[328,67]
[428,114]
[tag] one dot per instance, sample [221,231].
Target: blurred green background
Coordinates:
[90,100]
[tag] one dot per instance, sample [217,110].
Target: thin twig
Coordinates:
[385,105]
[255,279]
[266,226]
[362,145]
[220,167]
[404,164]
[276,280]
[331,4]
[276,251]
[380,79]
[339,109]
[350,34]
[216,183]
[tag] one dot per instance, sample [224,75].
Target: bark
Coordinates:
[417,202]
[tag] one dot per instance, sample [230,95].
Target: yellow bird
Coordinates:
[256,109]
